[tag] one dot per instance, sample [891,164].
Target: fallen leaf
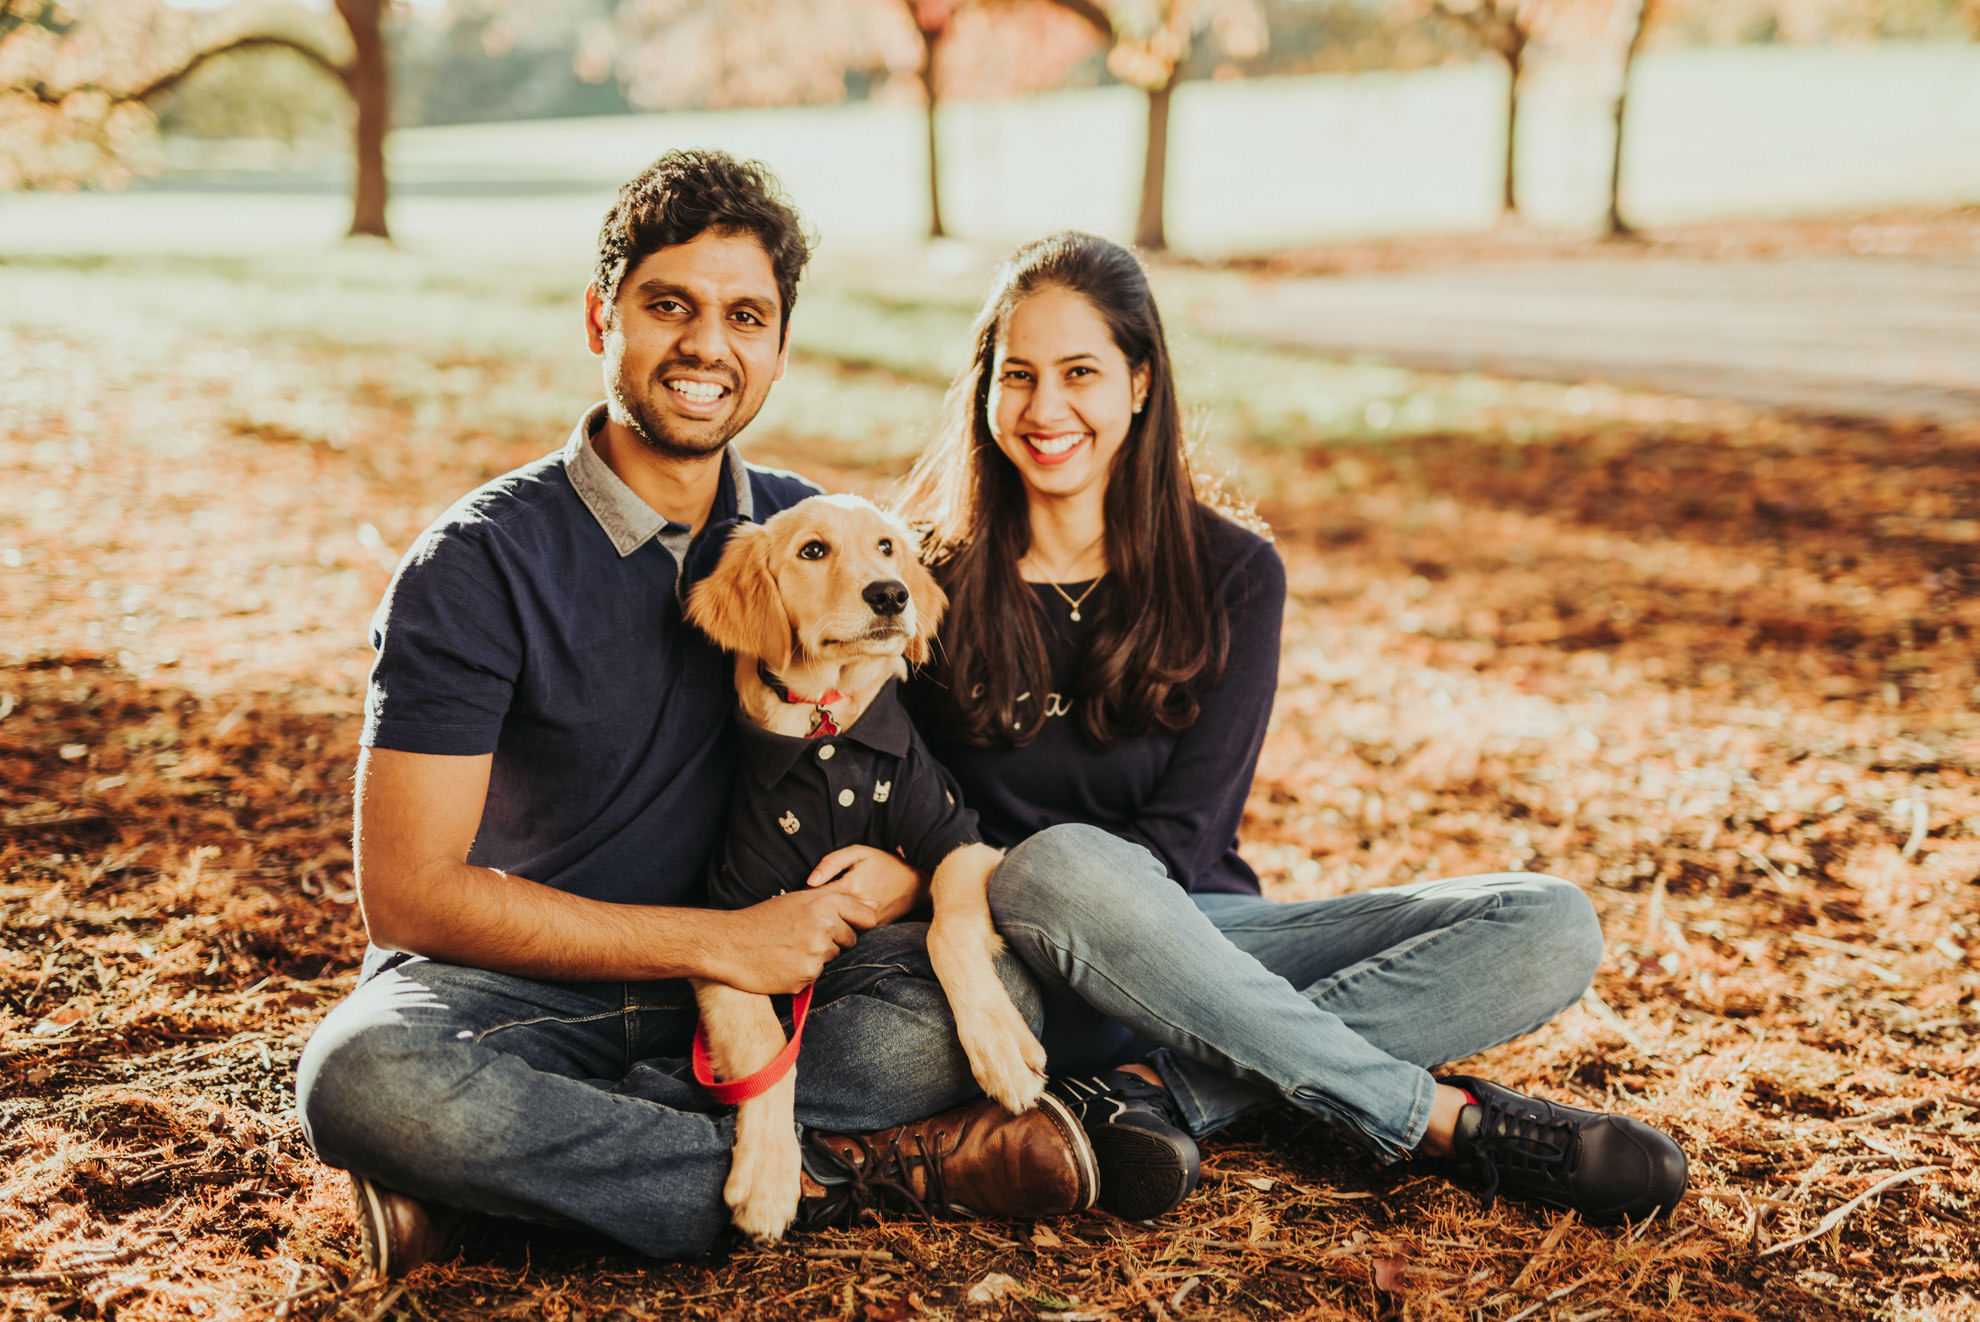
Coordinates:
[59,1020]
[995,1289]
[1388,1276]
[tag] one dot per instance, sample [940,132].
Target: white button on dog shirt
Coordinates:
[845,798]
[825,753]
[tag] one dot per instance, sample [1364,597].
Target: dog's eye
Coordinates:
[813,550]
[886,546]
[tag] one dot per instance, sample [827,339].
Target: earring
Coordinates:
[1137,405]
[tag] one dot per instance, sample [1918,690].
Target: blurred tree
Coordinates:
[933,20]
[79,80]
[1810,22]
[988,48]
[1148,42]
[1629,23]
[272,94]
[671,54]
[1504,28]
[1341,36]
[781,52]
[472,61]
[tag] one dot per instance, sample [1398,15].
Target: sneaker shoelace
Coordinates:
[884,1179]
[1521,1143]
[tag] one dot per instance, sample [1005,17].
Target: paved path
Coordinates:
[1882,336]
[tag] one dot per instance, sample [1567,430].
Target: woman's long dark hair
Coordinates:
[1160,633]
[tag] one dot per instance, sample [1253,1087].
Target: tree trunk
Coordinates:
[371,90]
[929,42]
[1636,15]
[1515,65]
[1150,232]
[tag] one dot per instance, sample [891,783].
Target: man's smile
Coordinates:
[696,396]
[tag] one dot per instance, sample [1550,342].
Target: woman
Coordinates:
[1105,674]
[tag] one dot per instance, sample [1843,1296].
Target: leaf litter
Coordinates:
[1717,669]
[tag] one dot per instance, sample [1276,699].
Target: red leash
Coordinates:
[741,1090]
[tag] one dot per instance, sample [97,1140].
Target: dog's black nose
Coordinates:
[887,597]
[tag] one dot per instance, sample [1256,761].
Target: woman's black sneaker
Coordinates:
[1147,1162]
[1609,1168]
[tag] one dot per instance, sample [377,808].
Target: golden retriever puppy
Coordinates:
[823,607]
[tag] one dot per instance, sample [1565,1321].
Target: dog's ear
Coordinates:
[738,605]
[929,603]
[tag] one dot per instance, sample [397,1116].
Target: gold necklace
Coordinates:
[1073,601]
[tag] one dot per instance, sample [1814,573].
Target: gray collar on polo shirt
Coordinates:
[629,521]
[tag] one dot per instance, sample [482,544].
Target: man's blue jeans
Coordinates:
[574,1103]
[1336,1006]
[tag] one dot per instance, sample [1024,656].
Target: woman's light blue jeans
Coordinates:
[1336,1006]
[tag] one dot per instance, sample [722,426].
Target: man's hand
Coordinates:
[883,880]
[416,817]
[782,943]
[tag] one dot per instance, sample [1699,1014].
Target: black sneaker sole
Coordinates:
[1142,1173]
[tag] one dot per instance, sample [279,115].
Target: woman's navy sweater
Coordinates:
[1179,795]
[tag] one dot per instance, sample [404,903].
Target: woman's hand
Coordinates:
[883,880]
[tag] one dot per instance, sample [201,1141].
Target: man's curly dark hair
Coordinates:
[688,192]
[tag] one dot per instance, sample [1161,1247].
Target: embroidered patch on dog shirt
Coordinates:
[881,789]
[789,822]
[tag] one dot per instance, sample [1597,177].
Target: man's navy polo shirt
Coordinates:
[874,783]
[540,619]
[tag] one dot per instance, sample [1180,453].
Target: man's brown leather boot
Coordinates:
[977,1160]
[399,1233]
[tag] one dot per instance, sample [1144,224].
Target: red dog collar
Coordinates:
[822,723]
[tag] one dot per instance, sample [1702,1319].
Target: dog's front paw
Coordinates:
[764,1185]
[1004,1055]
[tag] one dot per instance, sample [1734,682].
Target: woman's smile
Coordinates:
[1052,448]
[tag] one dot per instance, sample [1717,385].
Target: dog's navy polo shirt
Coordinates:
[873,783]
[540,619]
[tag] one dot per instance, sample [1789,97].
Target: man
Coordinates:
[547,756]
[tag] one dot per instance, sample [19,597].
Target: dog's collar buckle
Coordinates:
[822,723]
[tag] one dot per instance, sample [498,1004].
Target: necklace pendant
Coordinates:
[1075,616]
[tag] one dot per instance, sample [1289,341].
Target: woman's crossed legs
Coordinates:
[1335,1006]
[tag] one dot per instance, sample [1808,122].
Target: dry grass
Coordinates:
[1719,672]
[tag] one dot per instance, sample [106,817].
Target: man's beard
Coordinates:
[631,411]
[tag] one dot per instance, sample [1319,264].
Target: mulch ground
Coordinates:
[1721,674]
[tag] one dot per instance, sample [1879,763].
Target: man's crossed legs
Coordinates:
[573,1104]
